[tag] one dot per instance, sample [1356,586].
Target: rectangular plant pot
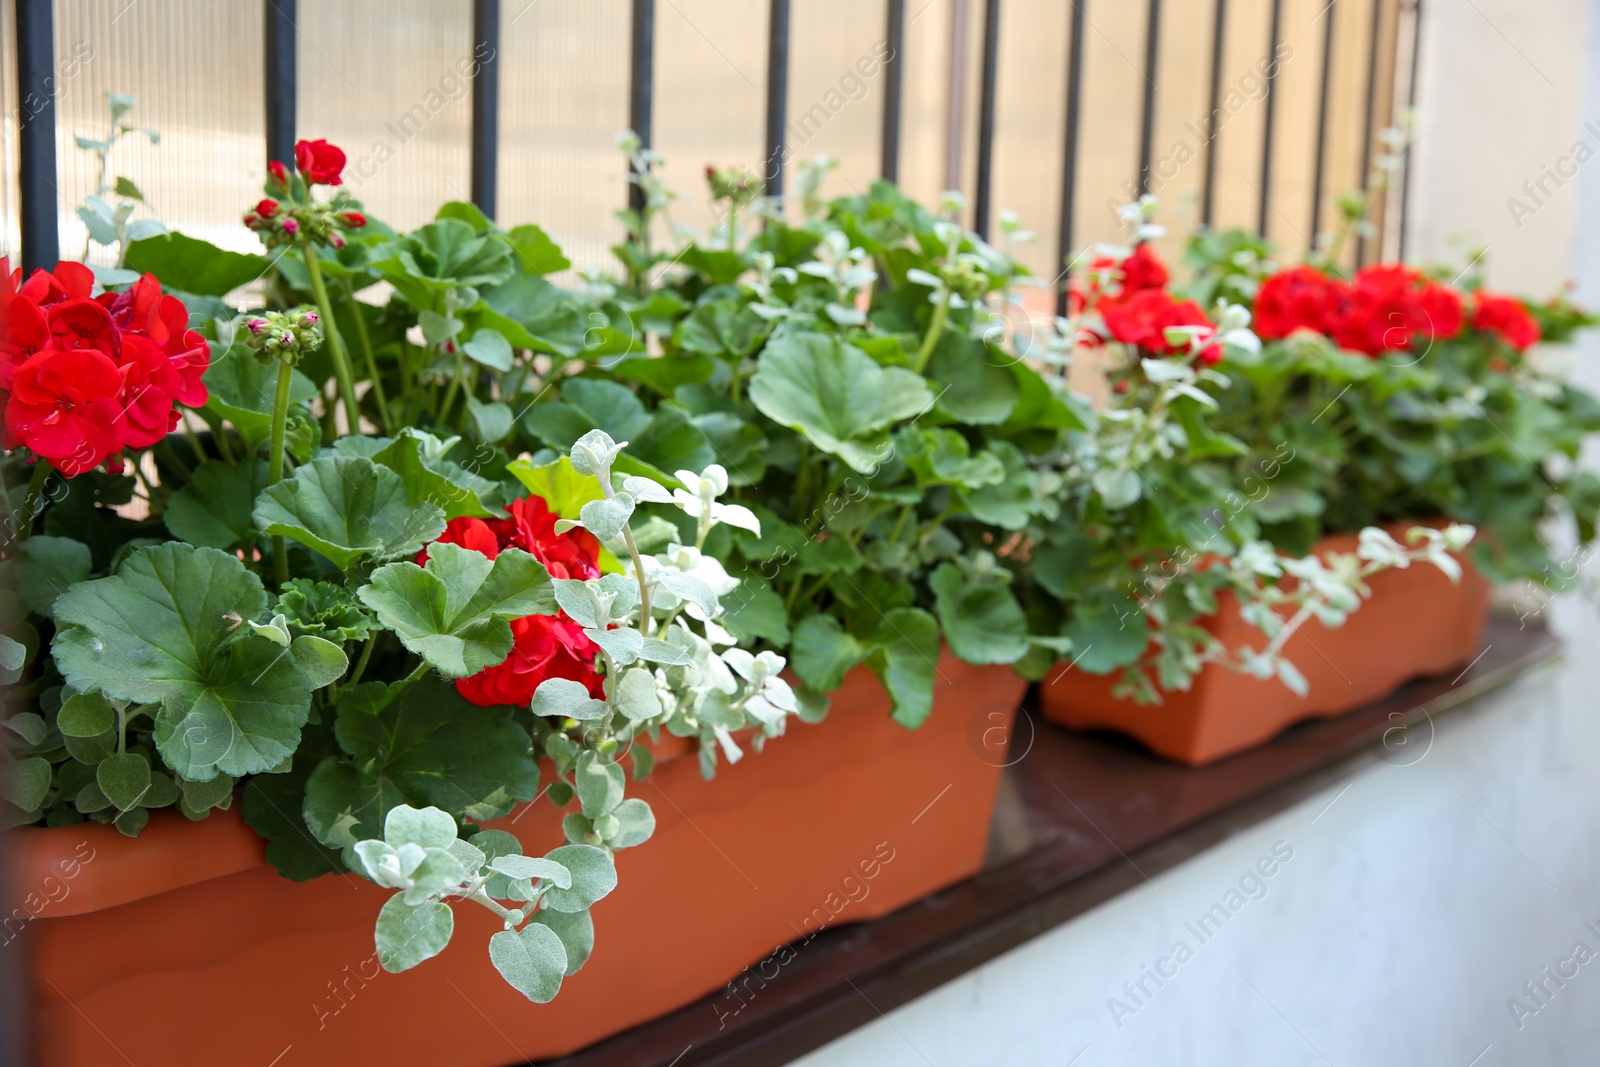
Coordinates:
[183,946]
[1417,623]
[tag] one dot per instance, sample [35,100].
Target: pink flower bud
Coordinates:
[290,227]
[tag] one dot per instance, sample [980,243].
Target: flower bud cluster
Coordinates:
[284,336]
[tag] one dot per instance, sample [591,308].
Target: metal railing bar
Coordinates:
[1069,154]
[486,104]
[988,83]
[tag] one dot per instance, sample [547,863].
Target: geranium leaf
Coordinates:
[535,252]
[836,395]
[489,348]
[242,390]
[455,612]
[214,509]
[822,652]
[442,255]
[192,265]
[43,567]
[348,508]
[984,623]
[454,489]
[532,959]
[428,748]
[905,658]
[158,632]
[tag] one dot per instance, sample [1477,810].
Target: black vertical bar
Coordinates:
[1330,13]
[1266,137]
[989,79]
[777,92]
[1147,120]
[279,42]
[1371,117]
[641,89]
[36,169]
[1218,39]
[1411,104]
[1069,161]
[485,103]
[894,37]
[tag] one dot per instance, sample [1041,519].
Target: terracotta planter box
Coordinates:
[1418,623]
[839,822]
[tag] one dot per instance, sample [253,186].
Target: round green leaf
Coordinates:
[593,876]
[408,935]
[124,779]
[25,782]
[85,716]
[576,931]
[322,661]
[532,959]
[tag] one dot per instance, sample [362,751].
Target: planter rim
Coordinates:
[172,851]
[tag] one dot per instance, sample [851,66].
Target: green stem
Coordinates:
[408,681]
[30,503]
[371,360]
[454,388]
[361,663]
[280,423]
[638,573]
[941,312]
[219,434]
[170,454]
[341,362]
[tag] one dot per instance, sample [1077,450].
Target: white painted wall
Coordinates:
[1417,904]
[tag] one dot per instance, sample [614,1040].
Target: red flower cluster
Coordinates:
[82,377]
[319,162]
[1138,310]
[1301,298]
[1143,318]
[544,646]
[1390,308]
[1506,316]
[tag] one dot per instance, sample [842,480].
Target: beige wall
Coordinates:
[1500,99]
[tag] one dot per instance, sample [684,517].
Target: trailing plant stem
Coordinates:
[341,362]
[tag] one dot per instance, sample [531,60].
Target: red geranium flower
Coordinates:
[1506,316]
[63,406]
[1390,308]
[1302,298]
[353,219]
[87,375]
[319,162]
[1142,320]
[544,646]
[279,175]
[267,208]
[1143,270]
[574,554]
